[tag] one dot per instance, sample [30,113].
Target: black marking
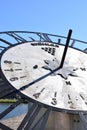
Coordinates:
[44,44]
[17,63]
[53,51]
[69,97]
[13,78]
[8,62]
[49,50]
[83,69]
[68,83]
[35,66]
[82,97]
[55,94]
[42,90]
[75,69]
[69,102]
[23,77]
[46,49]
[46,61]
[54,101]
[18,69]
[42,48]
[73,75]
[36,95]
[11,70]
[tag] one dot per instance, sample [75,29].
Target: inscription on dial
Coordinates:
[49,50]
[54,100]
[36,95]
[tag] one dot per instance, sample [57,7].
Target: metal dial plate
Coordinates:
[28,66]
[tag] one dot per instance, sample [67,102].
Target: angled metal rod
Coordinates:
[25,120]
[43,120]
[8,43]
[32,117]
[84,119]
[17,37]
[65,49]
[9,109]
[4,127]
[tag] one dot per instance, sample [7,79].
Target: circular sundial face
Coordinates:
[32,69]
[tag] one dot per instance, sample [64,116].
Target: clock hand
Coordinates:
[65,49]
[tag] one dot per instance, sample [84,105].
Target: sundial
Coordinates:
[50,71]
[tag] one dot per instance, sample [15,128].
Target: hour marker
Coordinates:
[55,94]
[42,90]
[36,95]
[69,102]
[83,69]
[8,62]
[18,69]
[35,66]
[75,69]
[17,63]
[13,78]
[69,97]
[68,82]
[11,70]
[82,97]
[54,101]
[23,77]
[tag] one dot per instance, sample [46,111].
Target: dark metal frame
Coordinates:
[12,38]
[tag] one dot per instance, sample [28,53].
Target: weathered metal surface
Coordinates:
[32,66]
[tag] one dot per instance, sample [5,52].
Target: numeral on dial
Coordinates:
[13,78]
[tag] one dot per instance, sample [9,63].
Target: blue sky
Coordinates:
[48,16]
